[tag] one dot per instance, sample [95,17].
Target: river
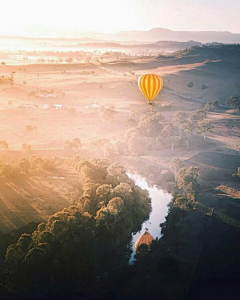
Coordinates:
[159,200]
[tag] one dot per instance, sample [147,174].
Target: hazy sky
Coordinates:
[120,15]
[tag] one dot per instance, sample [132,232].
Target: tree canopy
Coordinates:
[92,238]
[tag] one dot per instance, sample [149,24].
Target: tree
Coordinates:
[67,145]
[80,164]
[135,146]
[32,94]
[71,145]
[179,119]
[38,163]
[149,125]
[198,115]
[141,253]
[169,135]
[210,106]
[26,147]
[204,87]
[29,128]
[190,84]
[131,132]
[77,143]
[117,203]
[188,129]
[183,203]
[104,192]
[187,181]
[98,146]
[14,254]
[131,122]
[24,165]
[109,114]
[236,86]
[123,190]
[234,102]
[107,217]
[7,79]
[175,165]
[237,174]
[3,145]
[116,170]
[25,241]
[172,141]
[134,113]
[167,131]
[7,170]
[230,124]
[204,126]
[110,149]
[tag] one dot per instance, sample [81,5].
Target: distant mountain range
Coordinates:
[161,45]
[160,34]
[151,36]
[104,44]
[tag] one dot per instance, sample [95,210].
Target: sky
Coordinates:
[18,17]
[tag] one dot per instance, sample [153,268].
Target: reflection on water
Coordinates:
[160,201]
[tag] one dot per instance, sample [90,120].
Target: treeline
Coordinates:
[42,93]
[7,79]
[148,133]
[162,133]
[27,166]
[83,251]
[214,50]
[153,132]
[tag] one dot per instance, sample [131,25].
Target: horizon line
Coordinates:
[30,35]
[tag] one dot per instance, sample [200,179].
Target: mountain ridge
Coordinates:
[149,36]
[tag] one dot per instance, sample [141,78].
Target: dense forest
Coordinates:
[82,249]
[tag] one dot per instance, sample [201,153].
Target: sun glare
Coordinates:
[111,16]
[99,16]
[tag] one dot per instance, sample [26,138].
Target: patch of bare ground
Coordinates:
[162,71]
[217,268]
[230,191]
[35,198]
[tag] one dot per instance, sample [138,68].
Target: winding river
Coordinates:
[159,200]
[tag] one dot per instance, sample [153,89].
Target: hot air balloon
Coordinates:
[150,85]
[144,238]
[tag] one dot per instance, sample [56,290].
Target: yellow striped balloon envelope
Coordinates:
[150,85]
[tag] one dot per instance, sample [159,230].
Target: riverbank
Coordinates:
[159,202]
[193,237]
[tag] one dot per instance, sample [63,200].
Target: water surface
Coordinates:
[159,200]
